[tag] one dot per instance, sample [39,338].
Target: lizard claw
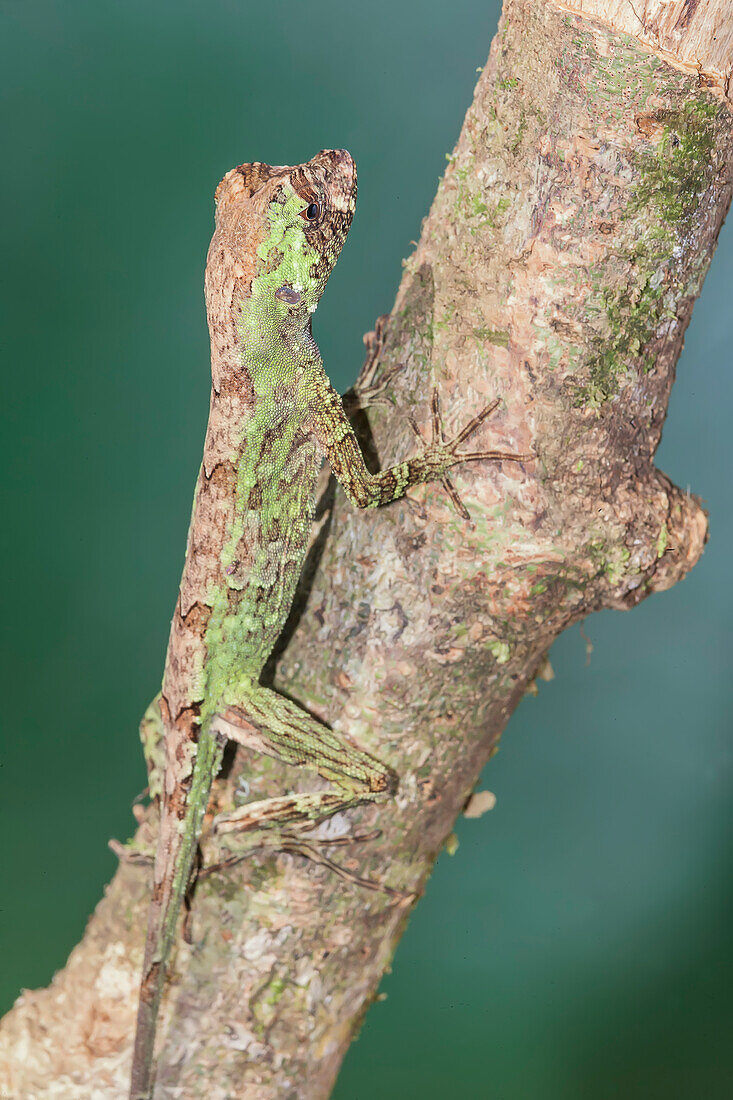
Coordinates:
[367,390]
[368,395]
[453,494]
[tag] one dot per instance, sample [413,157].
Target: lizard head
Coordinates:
[292,223]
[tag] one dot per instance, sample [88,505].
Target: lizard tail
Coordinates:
[177,844]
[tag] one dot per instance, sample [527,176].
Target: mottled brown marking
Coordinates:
[254,175]
[254,500]
[689,7]
[276,530]
[150,980]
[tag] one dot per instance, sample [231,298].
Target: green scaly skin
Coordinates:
[273,416]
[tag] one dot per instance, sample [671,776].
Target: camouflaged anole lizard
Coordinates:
[273,416]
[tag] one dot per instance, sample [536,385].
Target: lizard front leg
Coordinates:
[367,490]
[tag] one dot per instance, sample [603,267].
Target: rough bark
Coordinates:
[557,268]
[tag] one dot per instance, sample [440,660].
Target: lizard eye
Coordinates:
[312,212]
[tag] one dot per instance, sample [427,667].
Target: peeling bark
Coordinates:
[557,269]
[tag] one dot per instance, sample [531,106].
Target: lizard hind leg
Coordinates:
[270,723]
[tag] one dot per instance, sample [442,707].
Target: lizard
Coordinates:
[273,417]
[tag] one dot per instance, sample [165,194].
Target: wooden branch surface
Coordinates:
[557,269]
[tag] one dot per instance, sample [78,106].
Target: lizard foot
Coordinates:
[366,391]
[447,448]
[296,845]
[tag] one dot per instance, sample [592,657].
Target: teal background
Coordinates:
[578,944]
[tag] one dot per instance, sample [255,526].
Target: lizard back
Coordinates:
[269,260]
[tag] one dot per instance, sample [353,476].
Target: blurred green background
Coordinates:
[578,944]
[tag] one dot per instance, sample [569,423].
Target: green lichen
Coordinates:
[662,540]
[451,844]
[471,205]
[443,323]
[633,313]
[676,171]
[274,992]
[614,80]
[615,566]
[501,652]
[499,337]
[672,170]
[556,350]
[520,133]
[610,559]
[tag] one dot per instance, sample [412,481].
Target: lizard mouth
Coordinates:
[340,171]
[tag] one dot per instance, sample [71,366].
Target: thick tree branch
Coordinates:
[557,269]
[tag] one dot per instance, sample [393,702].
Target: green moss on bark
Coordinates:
[674,172]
